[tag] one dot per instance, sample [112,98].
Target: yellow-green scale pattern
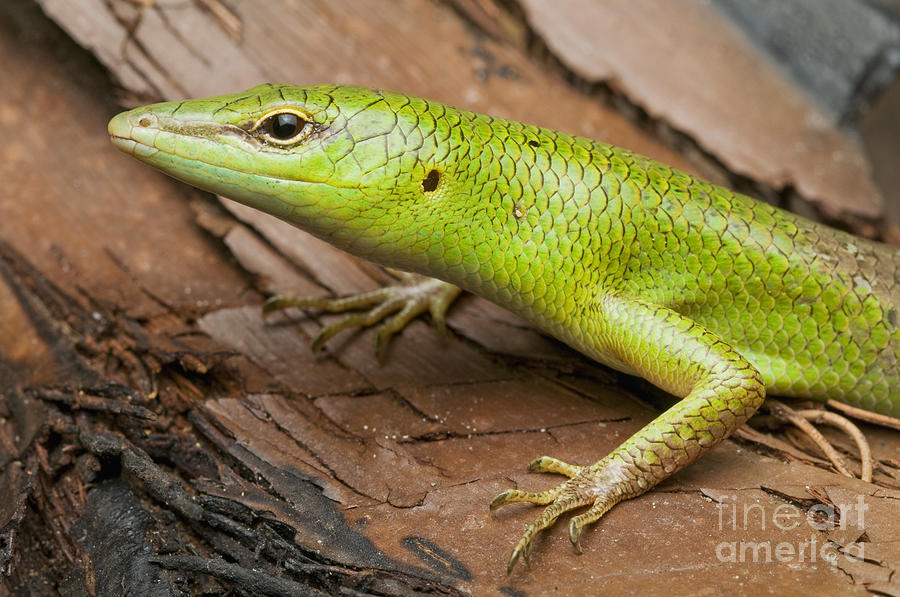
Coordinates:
[711,295]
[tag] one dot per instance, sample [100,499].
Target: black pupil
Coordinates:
[285,125]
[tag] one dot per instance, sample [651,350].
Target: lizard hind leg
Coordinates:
[720,391]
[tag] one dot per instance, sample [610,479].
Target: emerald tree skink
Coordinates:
[709,294]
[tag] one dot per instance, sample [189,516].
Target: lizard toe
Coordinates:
[548,464]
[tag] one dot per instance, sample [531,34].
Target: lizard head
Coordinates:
[361,168]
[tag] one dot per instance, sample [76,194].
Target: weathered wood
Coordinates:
[684,63]
[323,472]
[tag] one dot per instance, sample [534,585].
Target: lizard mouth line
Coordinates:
[143,151]
[132,147]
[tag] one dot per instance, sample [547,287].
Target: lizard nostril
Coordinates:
[144,122]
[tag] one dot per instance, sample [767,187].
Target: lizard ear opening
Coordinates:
[431,181]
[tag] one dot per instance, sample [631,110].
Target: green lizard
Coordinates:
[708,294]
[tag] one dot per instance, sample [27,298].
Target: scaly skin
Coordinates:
[706,293]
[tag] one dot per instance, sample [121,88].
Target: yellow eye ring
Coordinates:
[284,126]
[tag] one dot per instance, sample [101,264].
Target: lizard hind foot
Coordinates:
[597,486]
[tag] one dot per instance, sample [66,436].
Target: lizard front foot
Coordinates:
[411,297]
[600,486]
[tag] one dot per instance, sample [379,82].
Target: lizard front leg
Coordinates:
[719,388]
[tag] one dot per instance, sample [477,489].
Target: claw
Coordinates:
[575,536]
[499,500]
[438,321]
[382,338]
[277,303]
[321,338]
[514,557]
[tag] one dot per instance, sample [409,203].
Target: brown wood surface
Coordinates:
[717,87]
[157,435]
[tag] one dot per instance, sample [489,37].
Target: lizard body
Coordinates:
[709,294]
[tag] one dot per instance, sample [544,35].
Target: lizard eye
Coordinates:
[283,127]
